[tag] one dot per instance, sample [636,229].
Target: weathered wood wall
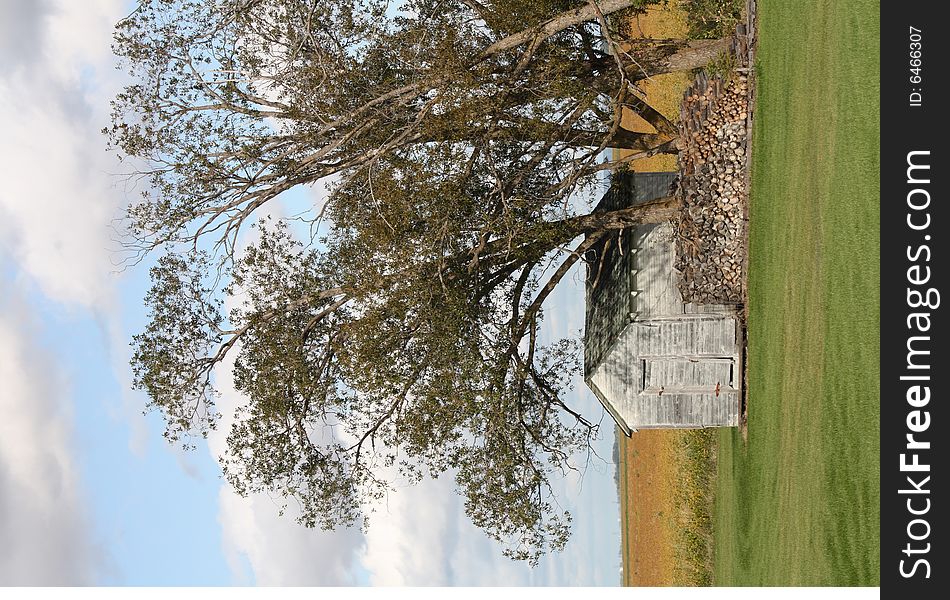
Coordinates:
[651,359]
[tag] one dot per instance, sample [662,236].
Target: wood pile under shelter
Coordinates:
[714,130]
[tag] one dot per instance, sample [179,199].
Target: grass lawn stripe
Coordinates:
[798,503]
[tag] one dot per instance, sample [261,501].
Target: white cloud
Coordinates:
[278,550]
[21,32]
[413,535]
[56,207]
[58,200]
[60,193]
[43,525]
[421,536]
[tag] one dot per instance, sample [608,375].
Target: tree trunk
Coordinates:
[652,57]
[654,211]
[555,234]
[635,141]
[561,22]
[622,139]
[696,53]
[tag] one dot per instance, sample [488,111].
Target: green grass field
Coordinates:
[798,502]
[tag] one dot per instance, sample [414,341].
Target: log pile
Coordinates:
[713,186]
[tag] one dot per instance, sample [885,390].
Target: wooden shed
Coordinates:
[651,359]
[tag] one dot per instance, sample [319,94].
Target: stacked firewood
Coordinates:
[713,185]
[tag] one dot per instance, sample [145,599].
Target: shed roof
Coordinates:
[626,265]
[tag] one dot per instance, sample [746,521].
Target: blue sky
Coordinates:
[89,491]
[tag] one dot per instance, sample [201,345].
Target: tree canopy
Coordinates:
[401,340]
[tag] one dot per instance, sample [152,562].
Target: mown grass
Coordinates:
[798,502]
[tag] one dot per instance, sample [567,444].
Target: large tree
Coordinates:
[401,340]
